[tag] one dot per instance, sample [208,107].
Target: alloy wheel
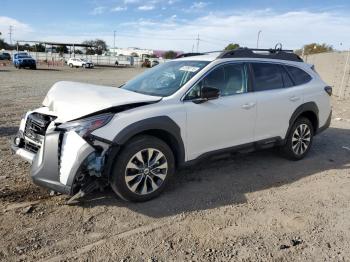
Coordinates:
[301,139]
[146,171]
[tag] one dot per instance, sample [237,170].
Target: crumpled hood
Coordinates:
[72,100]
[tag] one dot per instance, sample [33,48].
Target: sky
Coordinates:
[177,24]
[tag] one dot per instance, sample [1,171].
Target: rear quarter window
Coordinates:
[299,76]
[267,76]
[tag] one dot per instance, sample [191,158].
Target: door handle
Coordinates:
[248,105]
[294,98]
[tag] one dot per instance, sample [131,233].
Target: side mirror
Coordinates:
[207,93]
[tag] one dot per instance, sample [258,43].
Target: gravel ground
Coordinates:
[246,207]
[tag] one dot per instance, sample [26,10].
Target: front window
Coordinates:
[230,79]
[166,79]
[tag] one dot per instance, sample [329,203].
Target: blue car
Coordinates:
[23,60]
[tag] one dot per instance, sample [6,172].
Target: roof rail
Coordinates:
[276,53]
[195,54]
[188,54]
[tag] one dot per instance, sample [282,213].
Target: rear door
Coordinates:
[277,99]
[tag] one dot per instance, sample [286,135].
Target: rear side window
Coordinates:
[299,76]
[267,76]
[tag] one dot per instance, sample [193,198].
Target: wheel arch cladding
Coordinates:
[162,127]
[308,110]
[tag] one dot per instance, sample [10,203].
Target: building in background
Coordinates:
[139,52]
[130,51]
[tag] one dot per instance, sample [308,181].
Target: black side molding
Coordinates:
[307,107]
[248,147]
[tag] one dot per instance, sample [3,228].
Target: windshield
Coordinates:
[165,79]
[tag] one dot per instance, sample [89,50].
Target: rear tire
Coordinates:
[71,65]
[299,139]
[142,169]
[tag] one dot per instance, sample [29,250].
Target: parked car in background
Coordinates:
[124,60]
[23,60]
[5,56]
[80,62]
[154,63]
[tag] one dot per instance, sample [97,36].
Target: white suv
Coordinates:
[80,62]
[133,138]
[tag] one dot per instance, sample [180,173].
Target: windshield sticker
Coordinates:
[189,68]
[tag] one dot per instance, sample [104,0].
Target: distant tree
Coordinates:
[97,46]
[26,47]
[37,48]
[62,49]
[314,48]
[134,54]
[231,46]
[101,46]
[4,45]
[170,54]
[78,52]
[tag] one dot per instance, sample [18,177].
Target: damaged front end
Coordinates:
[65,158]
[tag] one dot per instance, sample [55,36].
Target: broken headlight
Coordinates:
[86,126]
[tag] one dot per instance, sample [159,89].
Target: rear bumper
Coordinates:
[326,125]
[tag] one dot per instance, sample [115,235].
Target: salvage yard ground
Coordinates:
[245,207]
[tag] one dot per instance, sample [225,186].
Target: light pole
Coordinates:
[114,43]
[257,40]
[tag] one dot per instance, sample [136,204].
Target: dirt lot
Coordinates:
[246,207]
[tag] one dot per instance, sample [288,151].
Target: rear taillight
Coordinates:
[328,90]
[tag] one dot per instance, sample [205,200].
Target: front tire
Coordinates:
[142,169]
[299,139]
[71,65]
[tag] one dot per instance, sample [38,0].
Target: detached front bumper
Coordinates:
[58,161]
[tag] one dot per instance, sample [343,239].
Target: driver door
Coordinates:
[224,122]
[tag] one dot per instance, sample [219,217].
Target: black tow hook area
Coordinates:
[88,188]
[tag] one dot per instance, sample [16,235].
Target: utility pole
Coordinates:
[114,42]
[257,40]
[10,33]
[197,42]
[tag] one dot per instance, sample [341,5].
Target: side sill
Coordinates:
[249,147]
